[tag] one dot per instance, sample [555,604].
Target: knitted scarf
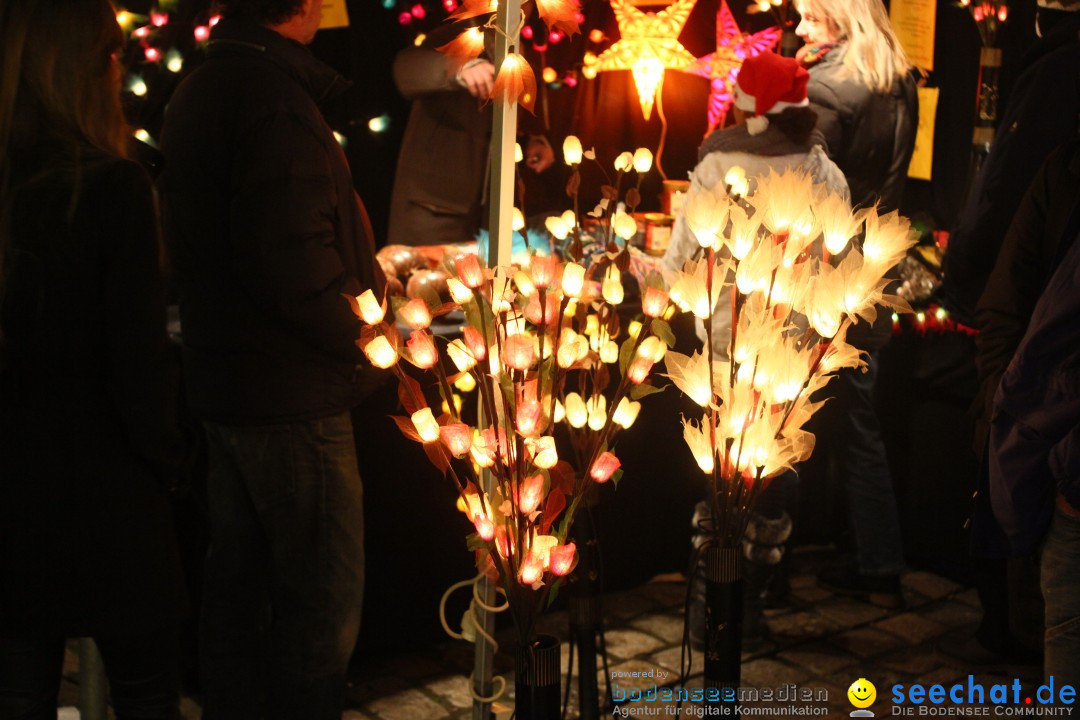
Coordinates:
[771,142]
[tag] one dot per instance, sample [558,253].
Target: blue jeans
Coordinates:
[864,470]
[285,569]
[1061,592]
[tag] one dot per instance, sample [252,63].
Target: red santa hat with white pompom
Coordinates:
[768,83]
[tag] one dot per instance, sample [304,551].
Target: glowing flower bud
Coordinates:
[612,288]
[415,313]
[461,356]
[465,383]
[577,413]
[571,150]
[532,569]
[519,352]
[469,270]
[381,353]
[625,226]
[569,218]
[504,541]
[483,452]
[639,370]
[422,350]
[604,467]
[597,407]
[573,280]
[573,349]
[524,283]
[560,412]
[626,412]
[371,310]
[517,220]
[625,162]
[654,302]
[545,456]
[557,227]
[609,352]
[457,437]
[642,160]
[484,527]
[634,329]
[543,270]
[652,348]
[475,342]
[426,425]
[697,438]
[518,155]
[736,178]
[562,559]
[531,493]
[458,292]
[528,417]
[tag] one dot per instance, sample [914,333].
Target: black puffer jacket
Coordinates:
[265,231]
[870,136]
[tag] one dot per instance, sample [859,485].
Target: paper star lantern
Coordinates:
[721,67]
[648,45]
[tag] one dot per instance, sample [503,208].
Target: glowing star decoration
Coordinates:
[648,45]
[720,67]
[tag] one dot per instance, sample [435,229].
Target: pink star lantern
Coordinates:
[732,47]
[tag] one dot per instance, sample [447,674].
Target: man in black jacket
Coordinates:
[266,234]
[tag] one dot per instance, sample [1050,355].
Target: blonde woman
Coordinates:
[863,90]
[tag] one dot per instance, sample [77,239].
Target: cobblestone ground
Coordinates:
[821,642]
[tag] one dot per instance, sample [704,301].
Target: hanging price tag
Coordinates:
[914,22]
[334,15]
[922,159]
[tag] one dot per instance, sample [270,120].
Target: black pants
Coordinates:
[141,669]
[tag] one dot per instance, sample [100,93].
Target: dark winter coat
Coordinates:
[871,136]
[87,429]
[266,233]
[1041,232]
[1035,434]
[1042,113]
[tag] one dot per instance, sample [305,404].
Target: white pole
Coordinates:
[500,241]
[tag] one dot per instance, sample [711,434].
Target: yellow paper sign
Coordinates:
[923,157]
[334,15]
[914,22]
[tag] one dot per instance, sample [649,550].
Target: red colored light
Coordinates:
[555,36]
[540,47]
[527,32]
[579,17]
[141,32]
[570,81]
[1003,12]
[404,18]
[450,5]
[202,33]
[418,11]
[152,54]
[158,19]
[214,20]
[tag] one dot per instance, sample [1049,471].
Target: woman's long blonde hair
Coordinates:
[874,53]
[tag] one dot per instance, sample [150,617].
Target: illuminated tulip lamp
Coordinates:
[806,268]
[546,352]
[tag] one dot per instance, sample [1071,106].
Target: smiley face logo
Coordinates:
[862,694]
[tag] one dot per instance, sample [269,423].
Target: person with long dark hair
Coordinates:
[88,441]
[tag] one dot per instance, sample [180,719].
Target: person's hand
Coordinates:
[478,78]
[538,154]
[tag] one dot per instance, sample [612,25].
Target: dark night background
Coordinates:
[416,544]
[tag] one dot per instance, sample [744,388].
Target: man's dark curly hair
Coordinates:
[263,12]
